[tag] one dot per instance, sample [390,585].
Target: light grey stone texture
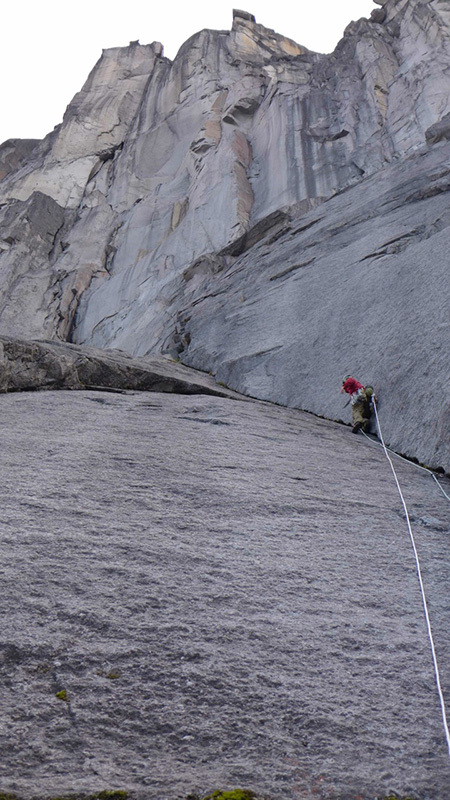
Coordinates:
[227,593]
[13,153]
[94,125]
[360,286]
[28,235]
[326,137]
[168,170]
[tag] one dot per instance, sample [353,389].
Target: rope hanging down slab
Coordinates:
[422,588]
[408,461]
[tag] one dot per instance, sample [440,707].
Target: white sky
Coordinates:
[49,46]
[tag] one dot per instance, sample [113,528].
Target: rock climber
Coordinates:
[361,400]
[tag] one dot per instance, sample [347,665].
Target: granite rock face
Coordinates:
[358,286]
[166,178]
[13,153]
[223,599]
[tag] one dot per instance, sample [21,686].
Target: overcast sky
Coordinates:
[49,46]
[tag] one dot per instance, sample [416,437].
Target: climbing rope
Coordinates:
[422,589]
[418,466]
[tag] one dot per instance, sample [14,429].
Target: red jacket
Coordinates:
[351,385]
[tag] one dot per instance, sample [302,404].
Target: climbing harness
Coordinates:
[419,574]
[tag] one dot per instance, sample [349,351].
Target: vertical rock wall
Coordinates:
[163,173]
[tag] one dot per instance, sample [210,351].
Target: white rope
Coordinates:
[422,589]
[418,466]
[439,484]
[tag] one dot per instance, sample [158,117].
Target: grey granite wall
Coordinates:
[179,191]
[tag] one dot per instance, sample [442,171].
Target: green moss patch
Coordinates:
[396,797]
[233,794]
[106,795]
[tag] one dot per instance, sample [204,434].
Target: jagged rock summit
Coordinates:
[275,216]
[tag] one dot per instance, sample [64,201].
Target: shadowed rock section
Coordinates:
[26,366]
[210,208]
